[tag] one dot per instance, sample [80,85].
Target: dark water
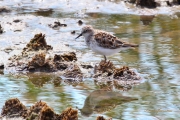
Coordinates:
[157,60]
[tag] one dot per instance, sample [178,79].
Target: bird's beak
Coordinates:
[78,36]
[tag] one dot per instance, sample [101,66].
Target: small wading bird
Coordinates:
[103,42]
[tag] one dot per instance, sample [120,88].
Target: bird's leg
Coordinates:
[105,58]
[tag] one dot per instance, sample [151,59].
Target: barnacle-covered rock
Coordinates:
[14,108]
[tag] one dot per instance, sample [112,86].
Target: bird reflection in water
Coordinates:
[100,101]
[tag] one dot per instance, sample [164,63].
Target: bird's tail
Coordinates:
[129,45]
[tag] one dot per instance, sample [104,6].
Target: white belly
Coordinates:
[103,51]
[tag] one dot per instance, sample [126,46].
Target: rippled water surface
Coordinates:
[157,59]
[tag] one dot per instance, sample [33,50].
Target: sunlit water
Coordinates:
[157,60]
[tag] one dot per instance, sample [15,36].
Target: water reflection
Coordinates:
[39,79]
[100,101]
[146,19]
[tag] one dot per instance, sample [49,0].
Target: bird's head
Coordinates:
[86,31]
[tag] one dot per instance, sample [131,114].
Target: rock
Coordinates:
[39,111]
[73,74]
[86,66]
[68,114]
[47,114]
[154,3]
[1,29]
[1,66]
[80,22]
[102,118]
[57,25]
[105,67]
[4,9]
[108,77]
[14,108]
[17,20]
[73,32]
[38,43]
[71,56]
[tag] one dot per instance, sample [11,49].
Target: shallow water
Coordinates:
[157,59]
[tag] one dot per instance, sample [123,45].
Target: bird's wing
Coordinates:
[107,40]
